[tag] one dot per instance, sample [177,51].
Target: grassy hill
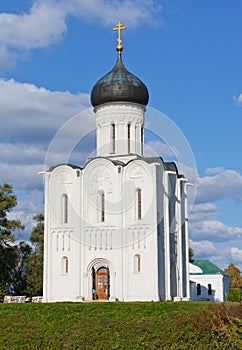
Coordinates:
[164,325]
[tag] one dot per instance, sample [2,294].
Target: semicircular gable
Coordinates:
[98,168]
[63,174]
[137,168]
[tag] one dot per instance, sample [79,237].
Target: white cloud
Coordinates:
[204,225]
[158,148]
[203,211]
[209,236]
[43,25]
[226,256]
[29,204]
[31,116]
[217,254]
[219,184]
[7,59]
[214,171]
[213,230]
[33,113]
[203,249]
[26,97]
[46,22]
[236,255]
[22,177]
[30,154]
[107,12]
[238,99]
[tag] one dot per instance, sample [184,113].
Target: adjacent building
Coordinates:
[208,282]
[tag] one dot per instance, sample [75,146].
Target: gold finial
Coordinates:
[119,27]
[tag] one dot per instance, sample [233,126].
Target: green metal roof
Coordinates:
[208,268]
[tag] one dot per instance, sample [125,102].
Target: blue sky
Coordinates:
[189,55]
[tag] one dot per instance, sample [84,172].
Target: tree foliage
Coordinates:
[8,256]
[235,276]
[37,234]
[7,202]
[234,295]
[20,273]
[21,265]
[35,267]
[12,253]
[190,254]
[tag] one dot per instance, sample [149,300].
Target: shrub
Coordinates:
[234,295]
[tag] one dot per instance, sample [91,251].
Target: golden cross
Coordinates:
[119,27]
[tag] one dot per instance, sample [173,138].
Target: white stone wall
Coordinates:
[122,235]
[89,243]
[61,239]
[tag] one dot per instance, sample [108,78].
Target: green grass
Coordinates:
[164,325]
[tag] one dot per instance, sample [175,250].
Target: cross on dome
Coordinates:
[119,84]
[119,27]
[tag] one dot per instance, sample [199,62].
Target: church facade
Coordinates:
[116,229]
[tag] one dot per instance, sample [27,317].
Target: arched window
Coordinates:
[198,289]
[138,204]
[102,206]
[64,209]
[129,126]
[65,265]
[209,289]
[113,137]
[137,263]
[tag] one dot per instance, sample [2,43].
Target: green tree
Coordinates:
[23,251]
[234,295]
[3,290]
[35,267]
[37,234]
[7,202]
[235,276]
[8,244]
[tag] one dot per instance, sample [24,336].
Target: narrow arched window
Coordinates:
[102,204]
[198,289]
[65,265]
[142,138]
[113,138]
[137,263]
[138,203]
[64,209]
[209,289]
[129,126]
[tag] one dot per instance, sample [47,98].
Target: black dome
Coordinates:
[119,85]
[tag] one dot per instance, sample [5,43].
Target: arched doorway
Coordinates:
[102,283]
[100,267]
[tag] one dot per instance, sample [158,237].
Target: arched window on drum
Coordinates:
[113,139]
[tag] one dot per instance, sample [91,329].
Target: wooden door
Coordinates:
[102,283]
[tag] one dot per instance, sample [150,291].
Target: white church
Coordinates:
[116,229]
